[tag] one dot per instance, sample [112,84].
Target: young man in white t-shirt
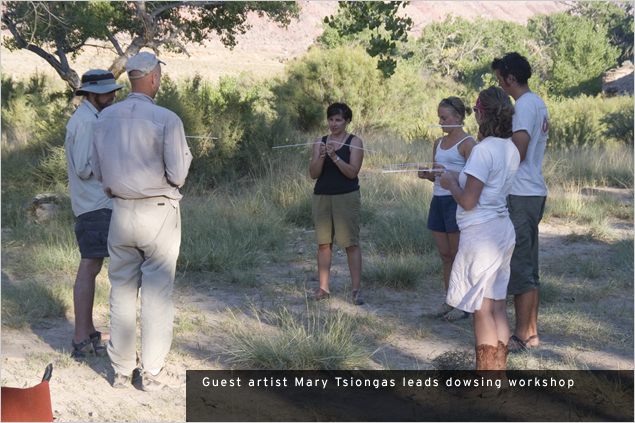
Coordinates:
[526,201]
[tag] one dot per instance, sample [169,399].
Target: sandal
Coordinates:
[446,309]
[456,314]
[522,344]
[96,339]
[80,351]
[357,298]
[318,295]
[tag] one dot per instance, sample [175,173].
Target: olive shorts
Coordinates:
[336,218]
[526,214]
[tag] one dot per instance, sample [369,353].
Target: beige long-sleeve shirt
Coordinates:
[85,190]
[140,150]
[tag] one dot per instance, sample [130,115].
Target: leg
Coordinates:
[501,320]
[354,255]
[448,245]
[125,278]
[84,297]
[533,325]
[160,241]
[485,329]
[325,254]
[526,306]
[525,213]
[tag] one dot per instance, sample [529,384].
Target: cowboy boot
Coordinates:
[486,367]
[501,364]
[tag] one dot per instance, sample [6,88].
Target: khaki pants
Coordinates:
[143,243]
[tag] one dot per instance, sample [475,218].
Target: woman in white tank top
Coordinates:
[449,152]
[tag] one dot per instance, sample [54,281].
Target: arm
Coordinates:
[465,149]
[350,170]
[95,157]
[176,153]
[430,176]
[317,160]
[82,149]
[467,197]
[521,141]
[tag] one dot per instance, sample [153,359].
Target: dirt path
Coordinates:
[407,338]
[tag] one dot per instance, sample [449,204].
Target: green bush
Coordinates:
[578,52]
[236,111]
[585,121]
[349,75]
[619,124]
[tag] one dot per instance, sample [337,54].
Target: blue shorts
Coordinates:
[442,215]
[91,230]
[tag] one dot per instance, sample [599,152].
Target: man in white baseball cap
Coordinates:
[141,64]
[90,205]
[142,158]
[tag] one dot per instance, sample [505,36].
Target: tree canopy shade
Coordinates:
[380,18]
[56,31]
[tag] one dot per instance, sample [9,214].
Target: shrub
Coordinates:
[619,124]
[349,75]
[582,121]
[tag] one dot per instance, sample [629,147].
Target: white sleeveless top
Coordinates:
[451,159]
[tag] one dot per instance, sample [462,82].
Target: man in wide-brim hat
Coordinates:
[91,206]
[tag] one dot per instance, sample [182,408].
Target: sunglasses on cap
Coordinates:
[479,107]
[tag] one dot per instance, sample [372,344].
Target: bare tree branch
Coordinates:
[115,44]
[61,67]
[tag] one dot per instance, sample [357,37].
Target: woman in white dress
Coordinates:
[478,283]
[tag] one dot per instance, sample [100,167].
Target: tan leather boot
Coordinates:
[486,370]
[486,357]
[501,364]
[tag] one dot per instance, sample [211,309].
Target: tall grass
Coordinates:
[321,339]
[399,271]
[221,234]
[587,167]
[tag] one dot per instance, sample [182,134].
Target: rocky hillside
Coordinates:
[265,48]
[268,37]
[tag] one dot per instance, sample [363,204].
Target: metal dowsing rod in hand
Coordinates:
[398,165]
[410,170]
[447,126]
[195,136]
[401,167]
[317,142]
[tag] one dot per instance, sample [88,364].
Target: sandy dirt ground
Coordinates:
[81,391]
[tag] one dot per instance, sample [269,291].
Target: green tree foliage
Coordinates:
[578,52]
[377,24]
[589,121]
[464,49]
[235,111]
[619,124]
[349,75]
[57,30]
[616,17]
[568,54]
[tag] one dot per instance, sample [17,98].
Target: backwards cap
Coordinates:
[143,62]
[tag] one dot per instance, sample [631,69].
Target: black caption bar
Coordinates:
[406,395]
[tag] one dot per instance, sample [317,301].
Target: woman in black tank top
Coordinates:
[337,159]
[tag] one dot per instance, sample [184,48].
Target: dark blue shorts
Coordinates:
[91,230]
[442,215]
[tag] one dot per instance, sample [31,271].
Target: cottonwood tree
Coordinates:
[616,18]
[58,31]
[387,29]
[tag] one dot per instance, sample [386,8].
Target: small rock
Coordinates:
[42,207]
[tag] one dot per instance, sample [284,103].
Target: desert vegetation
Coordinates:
[247,253]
